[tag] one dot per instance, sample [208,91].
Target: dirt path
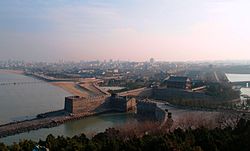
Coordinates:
[71,87]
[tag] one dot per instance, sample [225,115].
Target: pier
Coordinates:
[76,108]
[51,120]
[19,83]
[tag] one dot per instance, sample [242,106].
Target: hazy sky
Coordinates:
[49,30]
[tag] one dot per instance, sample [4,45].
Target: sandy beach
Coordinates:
[84,89]
[71,88]
[67,86]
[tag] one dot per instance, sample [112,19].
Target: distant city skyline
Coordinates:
[131,30]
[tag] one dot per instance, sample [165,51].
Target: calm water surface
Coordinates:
[24,101]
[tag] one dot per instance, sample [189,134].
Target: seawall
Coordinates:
[38,123]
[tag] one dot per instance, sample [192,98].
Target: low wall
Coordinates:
[141,92]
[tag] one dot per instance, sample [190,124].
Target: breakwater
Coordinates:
[34,124]
[75,108]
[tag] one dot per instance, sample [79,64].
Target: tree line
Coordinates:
[188,139]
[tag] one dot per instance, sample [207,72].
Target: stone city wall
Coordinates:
[122,103]
[141,92]
[171,93]
[147,109]
[75,104]
[98,104]
[160,114]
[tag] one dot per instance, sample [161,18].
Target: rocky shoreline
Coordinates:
[45,120]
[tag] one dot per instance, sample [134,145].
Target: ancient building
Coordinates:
[178,82]
[72,104]
[147,109]
[122,103]
[169,94]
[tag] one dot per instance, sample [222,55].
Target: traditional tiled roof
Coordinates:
[176,79]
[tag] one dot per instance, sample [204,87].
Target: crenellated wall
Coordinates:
[125,102]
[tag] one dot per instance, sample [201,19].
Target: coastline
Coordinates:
[66,86]
[13,128]
[85,89]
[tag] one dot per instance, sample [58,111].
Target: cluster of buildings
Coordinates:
[179,82]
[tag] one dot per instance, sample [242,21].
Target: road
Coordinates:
[216,76]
